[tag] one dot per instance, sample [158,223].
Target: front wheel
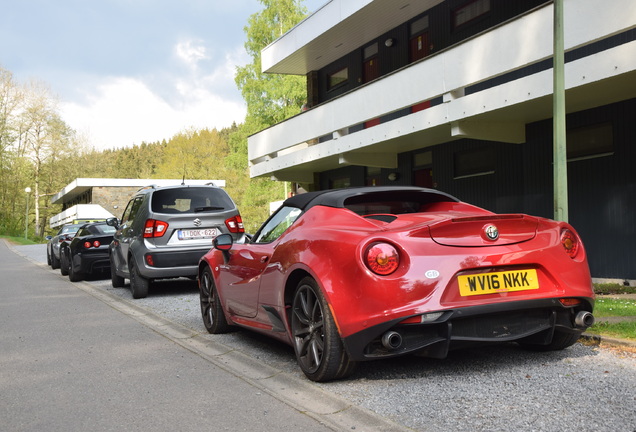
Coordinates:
[138,284]
[55,262]
[319,348]
[211,309]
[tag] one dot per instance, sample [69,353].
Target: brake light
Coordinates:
[154,228]
[95,244]
[382,258]
[235,224]
[570,242]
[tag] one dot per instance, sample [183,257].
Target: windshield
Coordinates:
[191,200]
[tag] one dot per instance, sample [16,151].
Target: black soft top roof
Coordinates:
[340,198]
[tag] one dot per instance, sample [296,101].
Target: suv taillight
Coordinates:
[154,228]
[235,224]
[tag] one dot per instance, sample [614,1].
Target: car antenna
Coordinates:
[184,173]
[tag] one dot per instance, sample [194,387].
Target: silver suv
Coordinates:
[164,231]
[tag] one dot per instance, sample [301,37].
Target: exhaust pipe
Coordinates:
[584,319]
[392,340]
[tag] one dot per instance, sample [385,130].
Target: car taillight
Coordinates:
[570,242]
[235,224]
[95,244]
[382,258]
[154,228]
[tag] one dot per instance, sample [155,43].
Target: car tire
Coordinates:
[116,281]
[48,256]
[138,284]
[55,262]
[64,262]
[73,276]
[560,340]
[317,343]
[211,309]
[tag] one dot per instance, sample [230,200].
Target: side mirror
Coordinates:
[114,222]
[48,237]
[223,242]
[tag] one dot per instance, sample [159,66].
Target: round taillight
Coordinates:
[96,243]
[87,245]
[570,242]
[382,258]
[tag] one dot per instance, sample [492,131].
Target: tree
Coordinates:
[270,99]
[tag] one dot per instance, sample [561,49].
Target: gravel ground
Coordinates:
[501,388]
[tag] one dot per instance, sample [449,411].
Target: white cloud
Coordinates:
[191,52]
[124,111]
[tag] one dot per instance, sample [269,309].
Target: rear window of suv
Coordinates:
[190,200]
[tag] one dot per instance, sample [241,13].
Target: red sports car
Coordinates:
[367,273]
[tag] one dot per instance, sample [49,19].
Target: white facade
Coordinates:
[290,150]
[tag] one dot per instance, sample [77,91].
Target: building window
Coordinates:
[469,12]
[371,51]
[419,26]
[590,142]
[474,162]
[339,77]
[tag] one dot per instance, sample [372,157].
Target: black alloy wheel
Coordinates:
[211,309]
[319,349]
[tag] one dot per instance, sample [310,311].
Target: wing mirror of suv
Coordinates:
[223,242]
[114,222]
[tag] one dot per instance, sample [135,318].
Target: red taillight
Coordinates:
[570,242]
[95,244]
[235,224]
[154,228]
[87,245]
[382,258]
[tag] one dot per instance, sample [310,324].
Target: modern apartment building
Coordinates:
[457,95]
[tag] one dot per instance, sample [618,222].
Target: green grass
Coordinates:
[19,240]
[620,330]
[608,307]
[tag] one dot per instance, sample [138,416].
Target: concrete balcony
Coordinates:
[488,87]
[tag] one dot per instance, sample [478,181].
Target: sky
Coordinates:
[132,71]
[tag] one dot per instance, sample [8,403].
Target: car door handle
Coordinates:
[264,259]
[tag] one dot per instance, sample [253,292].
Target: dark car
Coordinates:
[53,246]
[164,232]
[368,273]
[87,252]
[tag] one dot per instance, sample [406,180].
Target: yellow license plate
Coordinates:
[489,283]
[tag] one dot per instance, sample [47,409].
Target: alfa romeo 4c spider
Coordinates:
[367,273]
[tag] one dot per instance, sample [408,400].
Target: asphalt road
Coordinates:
[582,388]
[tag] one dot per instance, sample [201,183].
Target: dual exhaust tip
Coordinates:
[392,340]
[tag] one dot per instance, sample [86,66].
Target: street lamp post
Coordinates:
[26,216]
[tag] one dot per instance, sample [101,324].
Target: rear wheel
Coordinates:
[55,262]
[319,349]
[64,262]
[73,275]
[560,340]
[48,256]
[138,284]
[116,281]
[211,309]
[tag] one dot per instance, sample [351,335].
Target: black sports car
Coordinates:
[87,252]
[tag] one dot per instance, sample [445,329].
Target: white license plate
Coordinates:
[193,234]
